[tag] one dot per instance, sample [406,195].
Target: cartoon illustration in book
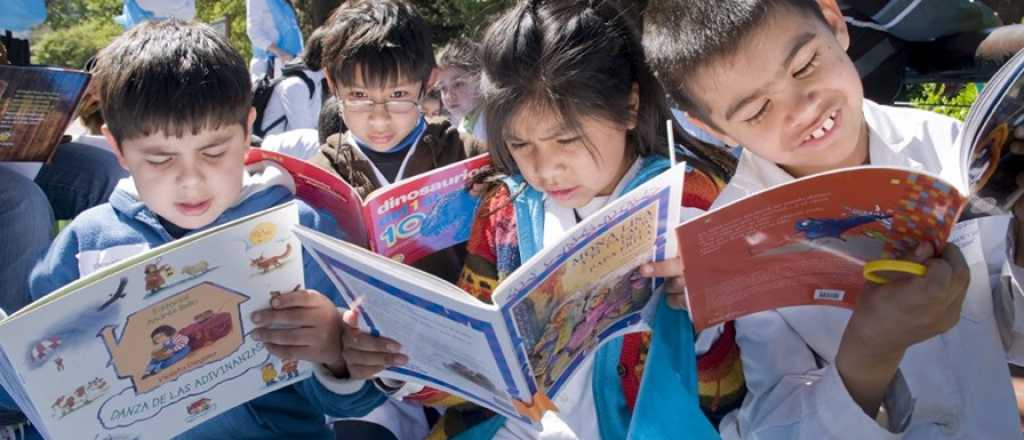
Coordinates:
[171,348]
[818,228]
[449,215]
[190,329]
[197,270]
[119,294]
[289,369]
[994,170]
[59,362]
[81,396]
[858,233]
[266,264]
[269,374]
[157,275]
[198,408]
[471,375]
[44,349]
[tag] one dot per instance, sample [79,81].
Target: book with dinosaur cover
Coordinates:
[36,105]
[546,318]
[407,220]
[807,241]
[158,343]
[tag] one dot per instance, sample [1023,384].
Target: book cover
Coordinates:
[36,105]
[154,345]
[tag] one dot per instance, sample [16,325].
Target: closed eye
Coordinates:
[808,68]
[760,114]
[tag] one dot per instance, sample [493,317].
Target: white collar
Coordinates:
[383,181]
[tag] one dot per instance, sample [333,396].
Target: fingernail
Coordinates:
[645,270]
[257,317]
[922,250]
[401,360]
[394,348]
[275,302]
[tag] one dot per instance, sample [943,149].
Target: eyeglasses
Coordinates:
[366,106]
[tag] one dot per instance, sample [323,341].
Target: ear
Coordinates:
[834,18]
[712,131]
[634,105]
[114,146]
[330,82]
[430,82]
[250,121]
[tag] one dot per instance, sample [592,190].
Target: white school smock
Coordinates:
[184,10]
[953,386]
[291,99]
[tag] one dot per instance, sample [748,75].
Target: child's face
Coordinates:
[555,159]
[460,91]
[790,94]
[160,339]
[189,181]
[380,126]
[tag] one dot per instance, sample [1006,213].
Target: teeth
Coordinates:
[825,128]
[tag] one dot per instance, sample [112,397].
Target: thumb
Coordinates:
[351,318]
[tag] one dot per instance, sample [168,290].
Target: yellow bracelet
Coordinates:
[891,266]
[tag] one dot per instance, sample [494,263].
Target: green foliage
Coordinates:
[72,46]
[934,97]
[451,18]
[234,11]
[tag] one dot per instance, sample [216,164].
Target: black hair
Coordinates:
[386,40]
[682,36]
[165,330]
[330,121]
[312,54]
[577,58]
[171,76]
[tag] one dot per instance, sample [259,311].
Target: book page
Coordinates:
[995,170]
[161,345]
[36,104]
[806,242]
[564,303]
[322,190]
[454,342]
[426,213]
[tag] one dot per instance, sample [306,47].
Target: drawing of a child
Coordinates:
[171,348]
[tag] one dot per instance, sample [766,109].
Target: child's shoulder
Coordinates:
[445,134]
[897,124]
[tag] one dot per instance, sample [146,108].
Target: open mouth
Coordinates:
[193,209]
[824,129]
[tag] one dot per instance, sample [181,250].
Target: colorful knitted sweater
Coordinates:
[494,252]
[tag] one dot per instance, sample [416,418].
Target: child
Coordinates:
[921,357]
[171,348]
[576,119]
[378,62]
[458,79]
[176,99]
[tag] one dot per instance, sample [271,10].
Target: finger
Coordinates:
[305,336]
[363,341]
[668,268]
[377,359]
[297,298]
[286,351]
[675,285]
[960,276]
[294,317]
[351,318]
[924,251]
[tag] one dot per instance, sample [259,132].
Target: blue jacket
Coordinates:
[293,412]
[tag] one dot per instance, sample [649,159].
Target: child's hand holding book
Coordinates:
[365,354]
[675,284]
[891,317]
[304,325]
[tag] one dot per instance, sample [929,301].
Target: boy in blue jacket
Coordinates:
[177,101]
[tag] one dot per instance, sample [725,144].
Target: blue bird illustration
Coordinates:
[815,228]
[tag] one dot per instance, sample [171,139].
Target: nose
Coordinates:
[548,165]
[805,107]
[190,176]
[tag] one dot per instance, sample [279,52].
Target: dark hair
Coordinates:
[463,53]
[682,36]
[577,58]
[386,40]
[312,54]
[165,330]
[330,121]
[171,76]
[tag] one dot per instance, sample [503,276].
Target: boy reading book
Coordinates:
[379,62]
[176,98]
[923,357]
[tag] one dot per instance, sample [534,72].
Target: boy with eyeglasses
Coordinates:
[379,63]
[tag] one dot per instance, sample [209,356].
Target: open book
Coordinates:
[407,220]
[806,242]
[36,104]
[546,319]
[159,342]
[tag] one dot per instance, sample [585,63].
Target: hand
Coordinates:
[305,325]
[675,284]
[367,355]
[892,317]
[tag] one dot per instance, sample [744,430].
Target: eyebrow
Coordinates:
[798,44]
[554,133]
[158,150]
